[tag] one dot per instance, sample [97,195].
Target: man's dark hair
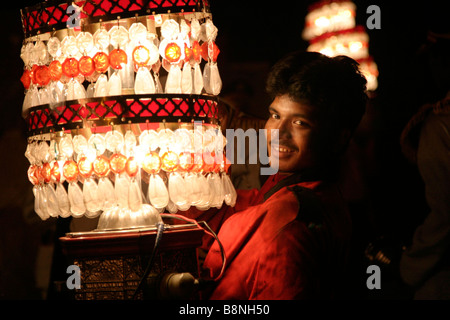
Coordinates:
[335,86]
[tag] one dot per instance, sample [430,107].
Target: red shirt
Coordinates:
[292,245]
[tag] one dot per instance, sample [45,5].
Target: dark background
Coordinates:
[383,187]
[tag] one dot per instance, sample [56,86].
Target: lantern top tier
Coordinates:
[53,15]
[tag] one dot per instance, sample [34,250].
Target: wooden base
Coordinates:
[112,263]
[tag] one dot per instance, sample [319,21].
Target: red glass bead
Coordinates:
[117,57]
[55,70]
[70,67]
[86,65]
[141,56]
[117,162]
[172,52]
[26,78]
[101,62]
[169,161]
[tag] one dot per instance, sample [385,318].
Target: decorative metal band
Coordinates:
[54,15]
[122,110]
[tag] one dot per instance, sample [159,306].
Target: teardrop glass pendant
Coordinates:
[157,192]
[77,207]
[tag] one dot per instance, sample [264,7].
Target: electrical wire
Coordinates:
[208,231]
[159,233]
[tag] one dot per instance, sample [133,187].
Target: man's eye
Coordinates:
[275,116]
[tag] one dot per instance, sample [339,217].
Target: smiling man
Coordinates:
[290,239]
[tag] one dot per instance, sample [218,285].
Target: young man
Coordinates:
[289,240]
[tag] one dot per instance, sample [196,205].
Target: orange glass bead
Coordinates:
[141,56]
[169,161]
[101,166]
[215,52]
[198,162]
[132,167]
[42,75]
[117,57]
[186,161]
[117,162]
[151,163]
[45,171]
[196,51]
[26,78]
[101,62]
[85,167]
[70,170]
[187,53]
[55,70]
[208,162]
[33,73]
[172,52]
[56,172]
[70,67]
[33,174]
[86,65]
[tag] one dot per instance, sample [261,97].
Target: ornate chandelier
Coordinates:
[331,29]
[121,108]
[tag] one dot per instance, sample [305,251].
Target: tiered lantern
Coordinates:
[331,29]
[121,107]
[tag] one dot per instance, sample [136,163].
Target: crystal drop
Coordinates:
[90,90]
[130,141]
[54,47]
[40,50]
[228,190]
[63,201]
[101,86]
[207,78]
[121,189]
[177,189]
[66,146]
[85,42]
[52,201]
[44,95]
[92,199]
[101,39]
[115,85]
[173,83]
[118,36]
[196,193]
[134,195]
[137,32]
[195,29]
[114,141]
[77,207]
[144,82]
[35,99]
[157,192]
[186,79]
[97,142]
[106,191]
[69,46]
[79,92]
[198,80]
[215,80]
[79,143]
[170,29]
[27,101]
[40,203]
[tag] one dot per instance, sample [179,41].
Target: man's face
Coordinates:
[299,139]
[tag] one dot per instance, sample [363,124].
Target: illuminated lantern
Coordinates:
[101,61]
[70,67]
